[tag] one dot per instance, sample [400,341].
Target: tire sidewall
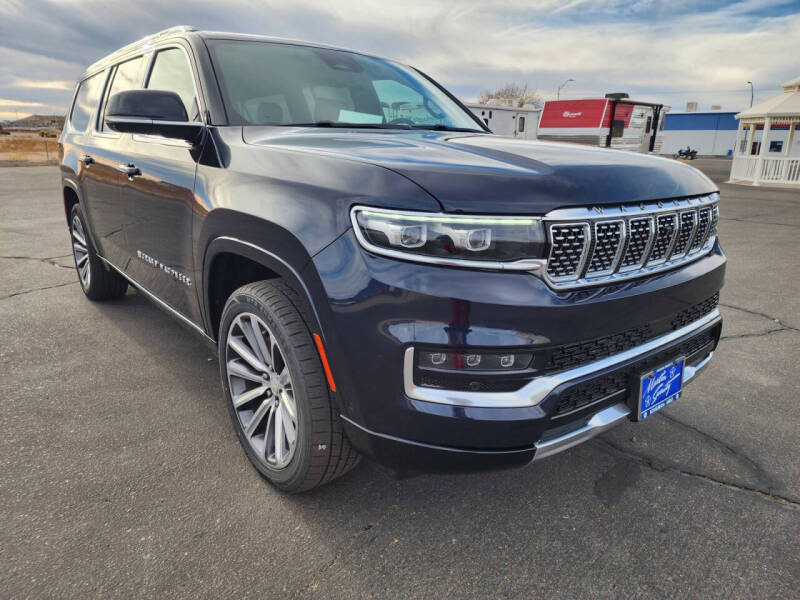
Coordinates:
[295,471]
[94,261]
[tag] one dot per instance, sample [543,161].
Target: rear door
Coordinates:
[159,198]
[97,175]
[104,199]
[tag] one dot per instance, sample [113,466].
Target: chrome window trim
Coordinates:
[538,389]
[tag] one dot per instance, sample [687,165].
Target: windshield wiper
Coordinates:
[348,125]
[440,127]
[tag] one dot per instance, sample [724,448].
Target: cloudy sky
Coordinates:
[672,52]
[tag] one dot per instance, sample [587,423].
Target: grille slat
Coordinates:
[703,225]
[640,231]
[666,228]
[608,239]
[639,240]
[568,250]
[688,222]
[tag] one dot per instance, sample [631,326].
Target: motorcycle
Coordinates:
[687,154]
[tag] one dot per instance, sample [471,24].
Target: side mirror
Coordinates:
[151,112]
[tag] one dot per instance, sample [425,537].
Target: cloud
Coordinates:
[45,85]
[6,103]
[670,52]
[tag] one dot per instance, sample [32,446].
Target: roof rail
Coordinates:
[142,42]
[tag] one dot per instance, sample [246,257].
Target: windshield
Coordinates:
[267,83]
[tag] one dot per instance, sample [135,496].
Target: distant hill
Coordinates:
[37,122]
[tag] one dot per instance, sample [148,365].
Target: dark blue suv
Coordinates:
[379,274]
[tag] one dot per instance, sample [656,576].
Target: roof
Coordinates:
[185,31]
[786,104]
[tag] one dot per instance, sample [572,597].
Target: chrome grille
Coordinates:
[666,228]
[703,224]
[688,223]
[568,250]
[591,246]
[640,232]
[608,238]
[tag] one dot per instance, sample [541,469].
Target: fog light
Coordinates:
[484,362]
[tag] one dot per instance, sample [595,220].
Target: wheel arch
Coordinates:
[70,195]
[272,265]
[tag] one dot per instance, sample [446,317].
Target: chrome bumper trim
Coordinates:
[538,389]
[600,422]
[603,420]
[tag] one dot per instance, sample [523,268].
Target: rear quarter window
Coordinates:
[86,102]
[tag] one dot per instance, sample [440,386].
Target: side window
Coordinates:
[521,124]
[86,101]
[126,77]
[172,73]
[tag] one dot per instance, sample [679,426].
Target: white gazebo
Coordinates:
[767,142]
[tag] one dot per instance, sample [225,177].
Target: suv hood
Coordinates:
[483,173]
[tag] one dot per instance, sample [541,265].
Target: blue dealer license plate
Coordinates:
[659,388]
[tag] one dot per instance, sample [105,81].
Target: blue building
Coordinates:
[710,133]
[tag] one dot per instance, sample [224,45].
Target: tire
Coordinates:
[97,280]
[320,451]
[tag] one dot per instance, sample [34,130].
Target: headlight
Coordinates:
[458,240]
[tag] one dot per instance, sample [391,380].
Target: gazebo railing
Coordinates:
[777,170]
[782,170]
[744,167]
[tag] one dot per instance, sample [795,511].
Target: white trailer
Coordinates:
[507,121]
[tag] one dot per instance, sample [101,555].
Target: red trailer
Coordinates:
[612,122]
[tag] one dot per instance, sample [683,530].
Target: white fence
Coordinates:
[775,170]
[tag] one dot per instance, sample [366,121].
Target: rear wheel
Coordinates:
[97,281]
[277,392]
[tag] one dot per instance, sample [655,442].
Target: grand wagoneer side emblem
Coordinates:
[168,270]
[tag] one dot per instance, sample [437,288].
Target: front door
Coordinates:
[158,196]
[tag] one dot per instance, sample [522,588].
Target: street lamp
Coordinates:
[751,93]
[558,94]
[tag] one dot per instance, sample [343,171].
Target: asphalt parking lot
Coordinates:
[121,475]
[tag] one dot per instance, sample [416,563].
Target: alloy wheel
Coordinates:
[81,251]
[261,390]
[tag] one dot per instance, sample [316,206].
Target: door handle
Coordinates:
[130,170]
[86,160]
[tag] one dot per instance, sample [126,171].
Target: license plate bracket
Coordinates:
[658,388]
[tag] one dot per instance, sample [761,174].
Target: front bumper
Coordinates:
[376,310]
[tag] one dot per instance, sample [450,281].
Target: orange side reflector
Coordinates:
[324,359]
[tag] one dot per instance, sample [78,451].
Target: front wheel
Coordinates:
[277,392]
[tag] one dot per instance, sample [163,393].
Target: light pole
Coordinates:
[558,94]
[750,83]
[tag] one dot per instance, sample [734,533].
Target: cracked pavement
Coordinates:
[121,476]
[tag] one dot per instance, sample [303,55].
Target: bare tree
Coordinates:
[511,94]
